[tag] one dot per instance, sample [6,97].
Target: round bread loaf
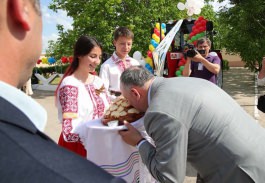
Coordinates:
[121,110]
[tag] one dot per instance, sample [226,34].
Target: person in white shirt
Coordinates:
[111,69]
[261,74]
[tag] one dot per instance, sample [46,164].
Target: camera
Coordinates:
[192,51]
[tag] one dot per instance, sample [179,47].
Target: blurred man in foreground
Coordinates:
[27,155]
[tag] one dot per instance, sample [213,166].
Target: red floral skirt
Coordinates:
[76,147]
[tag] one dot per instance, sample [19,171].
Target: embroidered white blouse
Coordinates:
[78,102]
[111,70]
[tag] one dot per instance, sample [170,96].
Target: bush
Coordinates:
[47,71]
[225,65]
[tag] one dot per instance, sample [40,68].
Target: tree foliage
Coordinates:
[243,31]
[99,18]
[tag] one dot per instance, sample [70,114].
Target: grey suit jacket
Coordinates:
[193,119]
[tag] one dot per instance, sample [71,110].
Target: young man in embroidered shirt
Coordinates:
[112,69]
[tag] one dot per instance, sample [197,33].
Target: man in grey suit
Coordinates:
[191,119]
[26,154]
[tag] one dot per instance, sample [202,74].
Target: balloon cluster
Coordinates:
[51,60]
[159,32]
[198,30]
[45,60]
[66,60]
[192,6]
[180,67]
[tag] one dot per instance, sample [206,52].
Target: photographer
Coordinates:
[201,64]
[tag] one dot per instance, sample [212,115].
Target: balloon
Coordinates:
[182,62]
[149,54]
[200,18]
[181,6]
[178,73]
[137,55]
[190,12]
[155,45]
[64,60]
[163,25]
[70,59]
[157,32]
[203,22]
[201,29]
[164,30]
[51,60]
[196,30]
[197,11]
[156,38]
[158,26]
[149,68]
[181,68]
[151,47]
[199,24]
[44,60]
[39,61]
[152,41]
[148,60]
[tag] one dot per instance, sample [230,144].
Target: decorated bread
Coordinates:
[121,110]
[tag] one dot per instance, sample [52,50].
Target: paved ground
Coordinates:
[238,82]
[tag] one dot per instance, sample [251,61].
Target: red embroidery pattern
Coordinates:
[68,98]
[122,65]
[98,103]
[67,127]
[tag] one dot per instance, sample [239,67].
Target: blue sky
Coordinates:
[51,19]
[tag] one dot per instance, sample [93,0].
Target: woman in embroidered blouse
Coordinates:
[80,96]
[111,70]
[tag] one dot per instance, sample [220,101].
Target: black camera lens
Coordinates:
[201,51]
[191,53]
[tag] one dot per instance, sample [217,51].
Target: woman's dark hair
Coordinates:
[82,47]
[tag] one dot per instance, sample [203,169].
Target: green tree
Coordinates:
[243,30]
[99,18]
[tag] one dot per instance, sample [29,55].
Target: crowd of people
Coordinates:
[222,145]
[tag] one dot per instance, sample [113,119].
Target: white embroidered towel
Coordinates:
[106,148]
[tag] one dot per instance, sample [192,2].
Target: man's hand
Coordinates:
[131,136]
[198,57]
